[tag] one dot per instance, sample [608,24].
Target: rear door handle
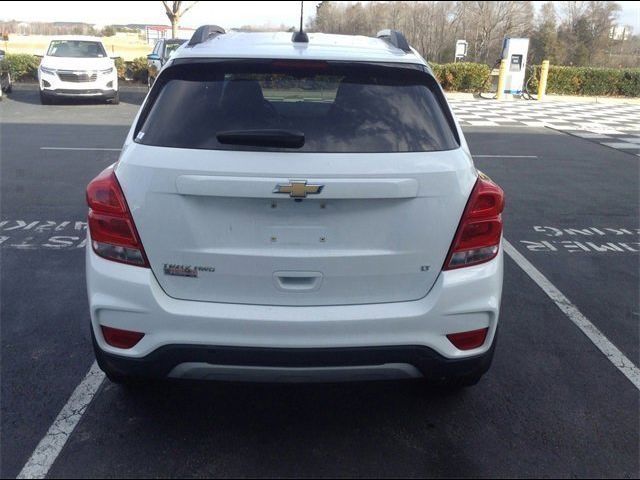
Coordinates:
[297,281]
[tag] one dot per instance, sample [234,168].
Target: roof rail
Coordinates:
[395,38]
[204,33]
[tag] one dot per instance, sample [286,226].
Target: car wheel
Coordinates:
[9,86]
[125,381]
[459,382]
[115,377]
[45,100]
[454,384]
[116,99]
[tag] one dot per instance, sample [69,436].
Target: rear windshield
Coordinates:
[327,106]
[76,49]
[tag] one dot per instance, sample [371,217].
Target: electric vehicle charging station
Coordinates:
[515,51]
[461,50]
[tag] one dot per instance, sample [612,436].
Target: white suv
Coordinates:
[77,67]
[290,210]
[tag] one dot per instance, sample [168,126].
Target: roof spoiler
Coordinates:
[395,38]
[204,33]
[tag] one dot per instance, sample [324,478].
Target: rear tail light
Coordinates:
[120,338]
[468,340]
[478,236]
[113,233]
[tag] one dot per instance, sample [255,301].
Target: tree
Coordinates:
[544,40]
[577,32]
[108,31]
[585,30]
[175,13]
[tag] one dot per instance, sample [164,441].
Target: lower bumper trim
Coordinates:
[203,361]
[66,92]
[207,371]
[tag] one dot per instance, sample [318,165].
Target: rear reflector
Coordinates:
[468,340]
[113,233]
[478,236]
[120,338]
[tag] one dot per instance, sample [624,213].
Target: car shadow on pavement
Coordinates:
[134,97]
[279,429]
[23,95]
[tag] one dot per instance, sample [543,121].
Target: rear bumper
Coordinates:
[130,298]
[286,364]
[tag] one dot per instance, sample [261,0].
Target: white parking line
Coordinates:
[88,149]
[613,354]
[61,429]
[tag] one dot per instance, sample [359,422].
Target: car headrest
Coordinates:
[241,94]
[352,95]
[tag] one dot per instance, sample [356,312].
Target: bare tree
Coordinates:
[580,35]
[175,13]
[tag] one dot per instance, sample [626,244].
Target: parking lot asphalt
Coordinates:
[552,405]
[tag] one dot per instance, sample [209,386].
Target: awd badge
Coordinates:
[180,270]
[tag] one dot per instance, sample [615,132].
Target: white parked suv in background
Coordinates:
[77,67]
[295,211]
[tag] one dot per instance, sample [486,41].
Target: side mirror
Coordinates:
[154,57]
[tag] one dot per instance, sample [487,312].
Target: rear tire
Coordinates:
[118,378]
[455,384]
[9,87]
[45,100]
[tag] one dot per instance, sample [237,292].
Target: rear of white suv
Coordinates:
[311,214]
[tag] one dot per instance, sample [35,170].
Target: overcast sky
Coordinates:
[225,14]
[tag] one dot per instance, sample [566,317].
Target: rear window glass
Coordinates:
[334,106]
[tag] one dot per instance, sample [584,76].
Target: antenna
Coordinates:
[300,36]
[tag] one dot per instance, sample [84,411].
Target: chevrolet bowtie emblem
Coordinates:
[298,188]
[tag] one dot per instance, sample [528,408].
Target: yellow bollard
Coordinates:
[501,79]
[544,73]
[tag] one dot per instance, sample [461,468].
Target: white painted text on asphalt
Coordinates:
[585,240]
[43,234]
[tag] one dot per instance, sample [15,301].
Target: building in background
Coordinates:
[153,33]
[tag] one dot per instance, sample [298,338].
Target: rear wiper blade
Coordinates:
[262,138]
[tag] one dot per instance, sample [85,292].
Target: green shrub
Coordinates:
[135,70]
[138,69]
[629,82]
[589,81]
[22,66]
[462,76]
[474,77]
[121,67]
